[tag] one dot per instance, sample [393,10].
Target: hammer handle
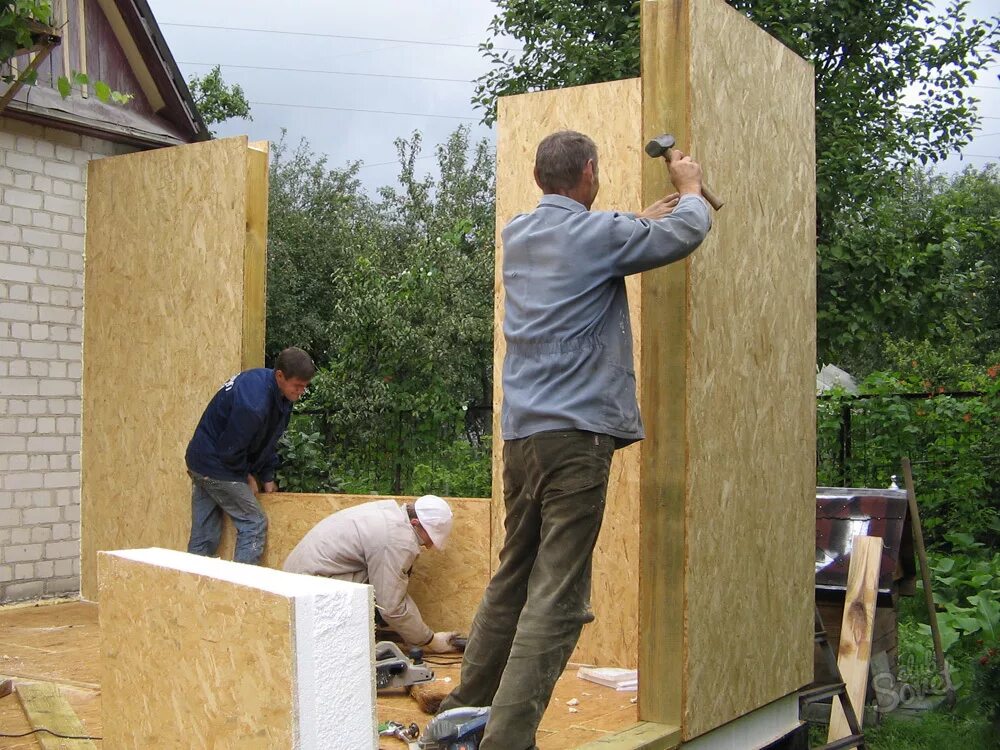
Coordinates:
[714,201]
[707,193]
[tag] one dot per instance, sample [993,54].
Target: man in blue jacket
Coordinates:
[568,402]
[233,453]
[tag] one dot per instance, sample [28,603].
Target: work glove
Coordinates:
[440,643]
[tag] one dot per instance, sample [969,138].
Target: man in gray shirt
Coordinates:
[569,402]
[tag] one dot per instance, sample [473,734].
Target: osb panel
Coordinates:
[163,328]
[750,412]
[255,260]
[175,669]
[446,585]
[608,113]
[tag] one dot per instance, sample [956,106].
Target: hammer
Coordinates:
[660,146]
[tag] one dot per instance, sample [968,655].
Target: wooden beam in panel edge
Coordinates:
[663,383]
[255,258]
[855,650]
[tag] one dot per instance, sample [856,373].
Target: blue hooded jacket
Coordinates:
[239,431]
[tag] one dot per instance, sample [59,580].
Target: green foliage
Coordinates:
[102,91]
[460,469]
[966,590]
[306,465]
[935,730]
[316,219]
[953,443]
[565,43]
[920,264]
[986,681]
[216,101]
[19,20]
[394,298]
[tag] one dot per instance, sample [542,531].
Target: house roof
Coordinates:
[119,42]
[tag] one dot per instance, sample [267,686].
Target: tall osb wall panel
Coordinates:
[165,307]
[446,584]
[742,424]
[608,113]
[224,655]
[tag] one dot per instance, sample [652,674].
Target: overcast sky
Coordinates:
[326,105]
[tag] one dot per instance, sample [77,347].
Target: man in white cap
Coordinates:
[377,543]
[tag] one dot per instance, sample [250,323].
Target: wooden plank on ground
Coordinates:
[46,708]
[856,630]
[646,735]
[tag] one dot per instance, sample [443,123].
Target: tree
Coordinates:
[867,56]
[922,265]
[393,295]
[315,217]
[216,101]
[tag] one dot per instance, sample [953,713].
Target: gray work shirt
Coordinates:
[569,361]
[370,543]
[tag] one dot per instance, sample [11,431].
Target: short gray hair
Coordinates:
[560,159]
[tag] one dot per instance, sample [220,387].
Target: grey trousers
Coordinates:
[534,608]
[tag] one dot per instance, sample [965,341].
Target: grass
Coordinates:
[934,730]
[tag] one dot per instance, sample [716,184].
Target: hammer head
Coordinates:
[660,145]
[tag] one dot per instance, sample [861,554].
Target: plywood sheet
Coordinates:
[745,414]
[166,300]
[446,585]
[170,666]
[608,114]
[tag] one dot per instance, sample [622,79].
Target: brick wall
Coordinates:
[43,175]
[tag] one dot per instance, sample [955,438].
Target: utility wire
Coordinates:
[371,111]
[334,36]
[329,72]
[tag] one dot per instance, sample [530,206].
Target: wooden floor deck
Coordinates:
[60,643]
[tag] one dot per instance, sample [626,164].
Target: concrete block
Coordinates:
[40,515]
[18,387]
[14,273]
[22,481]
[44,569]
[57,479]
[41,534]
[58,205]
[24,553]
[13,443]
[55,550]
[16,592]
[57,388]
[69,172]
[24,162]
[39,350]
[22,199]
[62,585]
[39,237]
[18,311]
[23,571]
[47,444]
[10,517]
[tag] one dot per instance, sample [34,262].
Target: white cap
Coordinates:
[435,516]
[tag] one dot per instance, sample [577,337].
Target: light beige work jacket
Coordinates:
[370,543]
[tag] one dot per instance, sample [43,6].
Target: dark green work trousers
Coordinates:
[535,606]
